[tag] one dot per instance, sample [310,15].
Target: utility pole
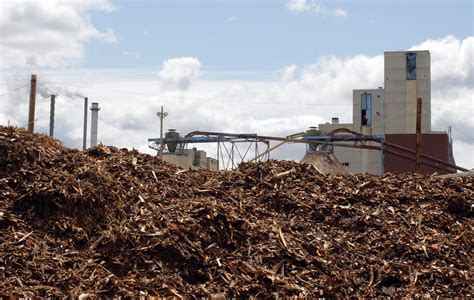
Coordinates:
[161,115]
[31,113]
[84,135]
[51,115]
[418,135]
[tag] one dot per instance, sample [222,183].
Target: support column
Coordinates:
[418,135]
[232,154]
[218,148]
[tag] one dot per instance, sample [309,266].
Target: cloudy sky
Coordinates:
[273,67]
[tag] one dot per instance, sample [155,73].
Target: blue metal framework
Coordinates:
[229,154]
[341,135]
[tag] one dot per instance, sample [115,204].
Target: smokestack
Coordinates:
[51,115]
[94,123]
[84,136]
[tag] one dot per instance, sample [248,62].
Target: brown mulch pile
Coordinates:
[111,222]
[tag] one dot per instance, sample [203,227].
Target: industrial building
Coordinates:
[390,113]
[390,131]
[174,149]
[191,159]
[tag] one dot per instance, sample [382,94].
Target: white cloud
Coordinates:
[237,107]
[452,59]
[49,32]
[233,19]
[178,73]
[303,5]
[131,54]
[339,12]
[314,7]
[288,73]
[452,81]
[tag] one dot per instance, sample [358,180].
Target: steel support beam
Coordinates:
[418,135]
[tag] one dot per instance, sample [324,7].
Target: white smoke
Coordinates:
[46,89]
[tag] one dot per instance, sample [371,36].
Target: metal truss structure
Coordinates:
[232,149]
[229,155]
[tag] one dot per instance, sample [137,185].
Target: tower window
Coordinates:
[366,109]
[411,66]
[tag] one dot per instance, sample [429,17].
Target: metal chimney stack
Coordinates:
[84,136]
[94,123]
[51,115]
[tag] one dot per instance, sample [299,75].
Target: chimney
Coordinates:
[51,115]
[94,123]
[335,120]
[84,134]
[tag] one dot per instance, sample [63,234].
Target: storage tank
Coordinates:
[313,131]
[171,145]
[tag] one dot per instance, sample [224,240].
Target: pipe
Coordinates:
[299,134]
[281,139]
[426,156]
[418,135]
[422,162]
[357,137]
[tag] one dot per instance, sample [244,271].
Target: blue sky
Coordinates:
[265,34]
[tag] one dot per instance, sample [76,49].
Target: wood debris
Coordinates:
[110,222]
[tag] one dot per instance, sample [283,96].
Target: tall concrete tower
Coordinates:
[407,77]
[94,123]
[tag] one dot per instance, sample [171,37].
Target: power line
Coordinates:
[13,80]
[100,119]
[389,118]
[230,101]
[121,130]
[62,96]
[201,99]
[459,130]
[16,89]
[24,126]
[455,107]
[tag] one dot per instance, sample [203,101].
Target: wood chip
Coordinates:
[107,226]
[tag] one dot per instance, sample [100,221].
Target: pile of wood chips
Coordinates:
[111,222]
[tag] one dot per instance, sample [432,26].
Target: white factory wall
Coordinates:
[393,110]
[191,159]
[378,111]
[354,160]
[401,94]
